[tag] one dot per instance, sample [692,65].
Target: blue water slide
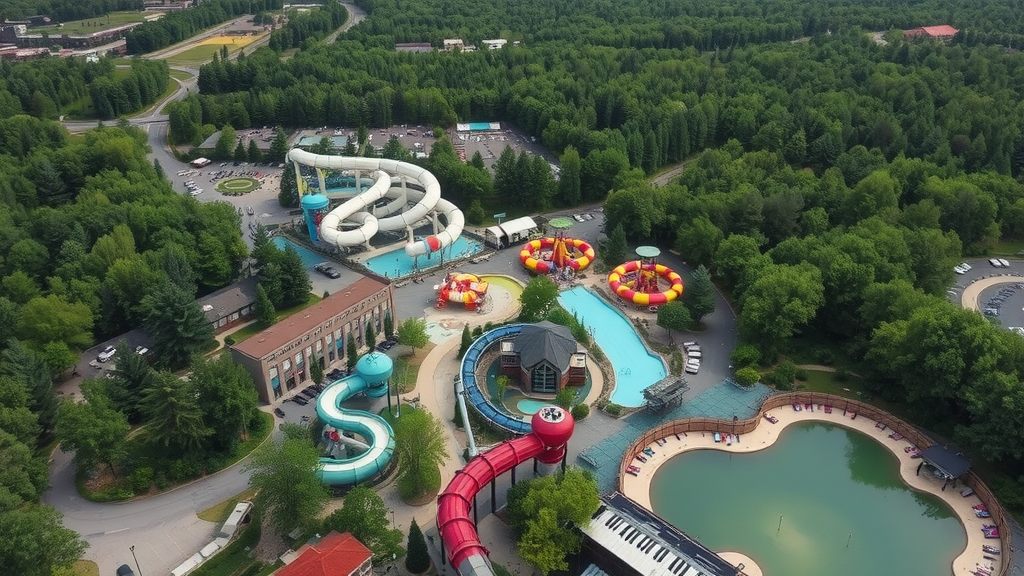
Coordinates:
[373,428]
[478,397]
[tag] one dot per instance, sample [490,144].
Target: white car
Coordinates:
[141,350]
[995,262]
[196,192]
[694,354]
[106,354]
[1004,262]
[965,265]
[959,269]
[691,368]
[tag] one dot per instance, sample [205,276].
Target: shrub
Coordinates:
[842,374]
[745,355]
[565,397]
[801,375]
[747,376]
[141,479]
[613,409]
[478,331]
[229,341]
[488,326]
[825,356]
[783,375]
[580,411]
[161,481]
[676,363]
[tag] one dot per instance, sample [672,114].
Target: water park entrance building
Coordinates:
[278,358]
[545,358]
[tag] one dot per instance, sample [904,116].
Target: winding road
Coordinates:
[164,529]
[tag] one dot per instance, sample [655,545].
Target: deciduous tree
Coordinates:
[539,295]
[286,473]
[173,416]
[93,429]
[412,332]
[699,295]
[420,447]
[365,516]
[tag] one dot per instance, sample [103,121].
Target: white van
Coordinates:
[694,354]
[1004,262]
[995,262]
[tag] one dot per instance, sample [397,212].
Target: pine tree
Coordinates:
[265,313]
[389,326]
[467,341]
[295,284]
[351,352]
[613,250]
[254,153]
[240,155]
[417,558]
[699,296]
[371,336]
[279,146]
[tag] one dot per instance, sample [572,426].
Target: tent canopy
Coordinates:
[951,463]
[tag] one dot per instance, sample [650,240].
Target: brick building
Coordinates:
[278,358]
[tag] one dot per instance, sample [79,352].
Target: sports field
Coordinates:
[91,25]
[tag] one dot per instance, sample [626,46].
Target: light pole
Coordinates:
[132,548]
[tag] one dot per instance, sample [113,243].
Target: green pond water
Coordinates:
[844,509]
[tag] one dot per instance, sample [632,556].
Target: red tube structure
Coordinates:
[552,428]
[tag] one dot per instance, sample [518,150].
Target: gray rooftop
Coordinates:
[545,341]
[229,299]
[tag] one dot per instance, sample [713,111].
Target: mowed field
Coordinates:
[91,25]
[203,52]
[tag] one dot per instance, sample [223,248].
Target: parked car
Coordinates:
[693,354]
[691,369]
[106,354]
[125,570]
[300,400]
[327,270]
[141,350]
[279,412]
[965,265]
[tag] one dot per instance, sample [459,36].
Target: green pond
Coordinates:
[844,509]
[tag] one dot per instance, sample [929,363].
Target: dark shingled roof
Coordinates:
[949,462]
[229,299]
[545,341]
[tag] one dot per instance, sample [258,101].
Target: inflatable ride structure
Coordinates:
[639,281]
[468,289]
[551,429]
[554,254]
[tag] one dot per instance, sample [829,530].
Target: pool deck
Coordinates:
[639,487]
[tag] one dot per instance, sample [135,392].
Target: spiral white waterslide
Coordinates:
[396,214]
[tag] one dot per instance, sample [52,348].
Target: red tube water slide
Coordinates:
[552,428]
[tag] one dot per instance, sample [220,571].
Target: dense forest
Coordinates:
[183,24]
[51,87]
[64,10]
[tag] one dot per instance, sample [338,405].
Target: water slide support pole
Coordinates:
[475,521]
[460,396]
[493,480]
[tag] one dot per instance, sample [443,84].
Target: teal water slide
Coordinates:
[372,372]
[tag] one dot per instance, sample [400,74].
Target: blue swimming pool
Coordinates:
[635,367]
[396,263]
[309,258]
[530,406]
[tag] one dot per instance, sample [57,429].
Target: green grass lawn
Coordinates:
[91,25]
[407,367]
[181,75]
[1008,247]
[194,56]
[218,513]
[85,568]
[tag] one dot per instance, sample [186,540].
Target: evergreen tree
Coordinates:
[371,336]
[295,284]
[569,189]
[266,315]
[263,250]
[699,295]
[351,352]
[25,366]
[174,418]
[417,558]
[467,341]
[178,327]
[288,196]
[253,153]
[279,146]
[613,250]
[225,144]
[240,155]
[389,326]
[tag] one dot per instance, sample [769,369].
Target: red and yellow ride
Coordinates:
[548,254]
[638,283]
[466,288]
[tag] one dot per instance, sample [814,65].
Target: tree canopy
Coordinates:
[364,514]
[286,475]
[537,298]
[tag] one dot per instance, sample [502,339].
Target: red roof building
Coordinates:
[944,31]
[334,555]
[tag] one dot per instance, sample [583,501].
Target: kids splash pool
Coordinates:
[309,258]
[635,367]
[396,263]
[826,500]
